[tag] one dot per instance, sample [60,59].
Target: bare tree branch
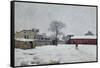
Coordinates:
[56,27]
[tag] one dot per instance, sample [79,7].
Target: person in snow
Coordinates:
[76,46]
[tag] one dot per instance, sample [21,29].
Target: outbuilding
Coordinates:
[24,43]
[91,40]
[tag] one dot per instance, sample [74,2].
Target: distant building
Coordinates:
[42,40]
[30,38]
[27,34]
[89,40]
[66,38]
[24,43]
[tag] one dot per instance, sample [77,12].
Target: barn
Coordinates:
[89,40]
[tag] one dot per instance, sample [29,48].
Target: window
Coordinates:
[34,37]
[46,38]
[41,38]
[24,32]
[26,36]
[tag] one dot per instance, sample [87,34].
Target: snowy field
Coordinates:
[55,54]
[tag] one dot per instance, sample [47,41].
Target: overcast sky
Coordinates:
[78,19]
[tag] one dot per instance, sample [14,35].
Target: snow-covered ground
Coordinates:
[55,54]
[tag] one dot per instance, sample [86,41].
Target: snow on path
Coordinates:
[55,54]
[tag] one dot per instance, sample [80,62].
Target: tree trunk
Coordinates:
[56,37]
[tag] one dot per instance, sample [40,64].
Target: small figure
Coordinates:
[76,46]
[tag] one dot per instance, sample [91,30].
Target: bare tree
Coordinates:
[56,27]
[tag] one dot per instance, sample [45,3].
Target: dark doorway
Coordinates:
[31,44]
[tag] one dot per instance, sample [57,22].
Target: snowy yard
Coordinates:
[55,54]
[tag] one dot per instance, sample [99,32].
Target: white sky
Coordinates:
[78,19]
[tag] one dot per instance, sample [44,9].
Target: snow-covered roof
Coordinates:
[23,39]
[83,37]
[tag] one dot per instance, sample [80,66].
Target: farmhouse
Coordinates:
[30,43]
[27,34]
[91,40]
[30,39]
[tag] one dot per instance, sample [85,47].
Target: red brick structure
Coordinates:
[91,40]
